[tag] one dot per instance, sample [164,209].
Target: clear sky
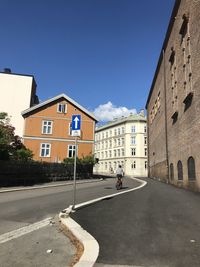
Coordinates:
[101,53]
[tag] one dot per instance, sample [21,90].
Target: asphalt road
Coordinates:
[18,209]
[156,226]
[25,208]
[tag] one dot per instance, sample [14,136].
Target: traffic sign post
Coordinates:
[76,130]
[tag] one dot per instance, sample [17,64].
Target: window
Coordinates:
[180,170]
[171,167]
[61,108]
[118,141]
[115,153]
[191,169]
[106,165]
[71,151]
[110,141]
[115,142]
[145,151]
[122,141]
[145,165]
[118,152]
[45,150]
[115,132]
[133,140]
[110,153]
[145,129]
[106,154]
[133,165]
[123,130]
[47,127]
[122,152]
[184,26]
[145,140]
[133,128]
[70,129]
[133,151]
[119,132]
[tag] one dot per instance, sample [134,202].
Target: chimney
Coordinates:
[7,70]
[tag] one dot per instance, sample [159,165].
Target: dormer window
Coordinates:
[62,108]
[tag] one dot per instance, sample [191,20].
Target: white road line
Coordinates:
[90,244]
[24,230]
[143,183]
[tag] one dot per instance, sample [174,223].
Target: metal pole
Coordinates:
[74,200]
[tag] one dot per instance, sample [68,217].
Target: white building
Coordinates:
[18,92]
[122,142]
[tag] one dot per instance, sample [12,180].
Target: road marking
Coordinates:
[24,230]
[91,246]
[83,204]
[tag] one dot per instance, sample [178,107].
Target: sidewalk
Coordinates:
[47,246]
[46,185]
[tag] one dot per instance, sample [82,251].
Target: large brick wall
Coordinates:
[174,135]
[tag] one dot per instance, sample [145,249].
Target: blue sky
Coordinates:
[101,53]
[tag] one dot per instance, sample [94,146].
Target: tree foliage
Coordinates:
[11,147]
[85,160]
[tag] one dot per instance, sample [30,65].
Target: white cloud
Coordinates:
[108,111]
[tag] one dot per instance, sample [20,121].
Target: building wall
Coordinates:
[60,137]
[116,148]
[182,64]
[16,93]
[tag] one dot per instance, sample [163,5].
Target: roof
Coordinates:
[18,74]
[132,117]
[42,104]
[169,29]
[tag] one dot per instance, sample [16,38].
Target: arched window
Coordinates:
[172,171]
[191,169]
[180,170]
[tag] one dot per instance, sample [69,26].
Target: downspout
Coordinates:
[166,128]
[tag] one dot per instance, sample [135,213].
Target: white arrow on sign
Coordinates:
[76,122]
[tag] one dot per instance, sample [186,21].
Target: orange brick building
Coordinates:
[47,130]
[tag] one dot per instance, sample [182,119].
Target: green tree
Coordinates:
[23,154]
[11,146]
[6,136]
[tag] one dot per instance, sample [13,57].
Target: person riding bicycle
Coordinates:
[119,174]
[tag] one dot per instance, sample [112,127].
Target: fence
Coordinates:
[29,173]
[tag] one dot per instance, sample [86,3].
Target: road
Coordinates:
[156,226]
[18,209]
[23,209]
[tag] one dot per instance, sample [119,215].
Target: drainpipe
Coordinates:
[166,128]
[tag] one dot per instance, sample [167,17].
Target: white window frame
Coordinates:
[133,129]
[72,150]
[133,140]
[47,150]
[45,128]
[62,108]
[133,151]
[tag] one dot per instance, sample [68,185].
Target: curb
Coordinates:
[90,244]
[46,186]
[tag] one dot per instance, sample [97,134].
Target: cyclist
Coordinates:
[119,175]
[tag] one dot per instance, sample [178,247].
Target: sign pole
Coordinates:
[74,200]
[76,131]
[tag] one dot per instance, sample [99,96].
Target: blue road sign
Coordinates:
[76,122]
